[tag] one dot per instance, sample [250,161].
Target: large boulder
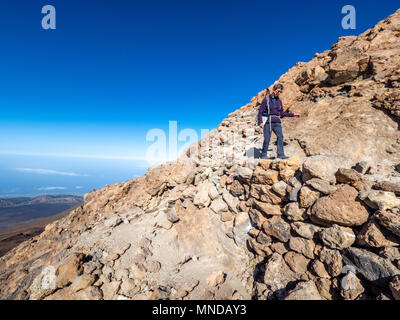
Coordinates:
[348,63]
[341,207]
[44,284]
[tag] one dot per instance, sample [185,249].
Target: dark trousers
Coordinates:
[277,129]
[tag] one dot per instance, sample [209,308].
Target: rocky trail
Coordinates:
[219,223]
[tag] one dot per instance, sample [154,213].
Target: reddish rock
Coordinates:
[71,268]
[332,260]
[375,236]
[267,209]
[389,219]
[308,197]
[296,261]
[288,168]
[319,269]
[304,246]
[341,207]
[262,176]
[348,176]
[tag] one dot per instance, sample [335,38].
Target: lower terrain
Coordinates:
[24,217]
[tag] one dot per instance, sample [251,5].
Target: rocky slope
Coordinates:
[218,223]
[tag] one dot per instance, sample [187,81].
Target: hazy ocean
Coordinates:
[36,175]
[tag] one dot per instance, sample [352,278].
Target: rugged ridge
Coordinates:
[218,223]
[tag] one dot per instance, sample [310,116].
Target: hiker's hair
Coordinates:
[278,86]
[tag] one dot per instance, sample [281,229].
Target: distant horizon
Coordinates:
[41,195]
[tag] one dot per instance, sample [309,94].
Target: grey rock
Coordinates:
[321,185]
[362,167]
[280,188]
[294,213]
[390,219]
[337,237]
[186,203]
[213,192]
[113,222]
[374,268]
[231,201]
[378,199]
[295,181]
[305,230]
[294,194]
[244,173]
[219,206]
[172,216]
[278,228]
[263,239]
[388,186]
[277,274]
[323,167]
[241,228]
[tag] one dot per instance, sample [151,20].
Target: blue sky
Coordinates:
[84,96]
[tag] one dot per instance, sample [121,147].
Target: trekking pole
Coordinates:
[269,115]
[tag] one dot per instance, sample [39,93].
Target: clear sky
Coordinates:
[113,70]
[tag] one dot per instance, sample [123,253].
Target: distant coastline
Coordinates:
[12,233]
[21,210]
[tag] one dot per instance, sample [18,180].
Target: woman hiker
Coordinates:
[269,119]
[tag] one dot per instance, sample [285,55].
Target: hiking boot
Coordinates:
[267,158]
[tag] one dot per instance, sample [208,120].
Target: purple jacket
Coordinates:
[276,109]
